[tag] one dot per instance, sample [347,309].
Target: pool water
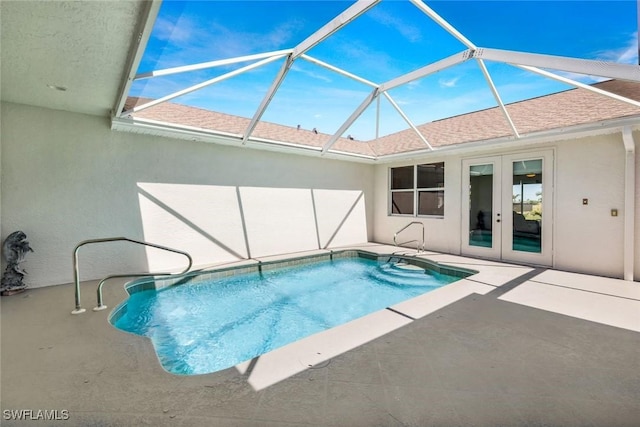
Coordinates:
[204,327]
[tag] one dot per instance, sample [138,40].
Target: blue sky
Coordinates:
[391,39]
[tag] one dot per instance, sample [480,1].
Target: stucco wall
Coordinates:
[586,238]
[67,178]
[636,138]
[441,234]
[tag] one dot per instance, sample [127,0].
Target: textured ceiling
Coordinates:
[80,45]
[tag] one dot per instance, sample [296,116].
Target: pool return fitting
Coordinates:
[100,305]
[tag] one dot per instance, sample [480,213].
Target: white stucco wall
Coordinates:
[636,138]
[67,177]
[586,238]
[441,234]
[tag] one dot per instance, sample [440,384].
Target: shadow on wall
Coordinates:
[227,223]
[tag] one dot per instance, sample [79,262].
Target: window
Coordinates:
[418,188]
[402,194]
[431,189]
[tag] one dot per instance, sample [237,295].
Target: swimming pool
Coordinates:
[206,323]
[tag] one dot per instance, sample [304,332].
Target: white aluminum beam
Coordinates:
[443,23]
[429,69]
[406,119]
[377,117]
[629,202]
[573,65]
[496,95]
[339,71]
[363,106]
[193,88]
[334,25]
[211,64]
[578,84]
[327,30]
[268,97]
[144,32]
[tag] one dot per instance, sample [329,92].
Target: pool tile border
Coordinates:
[214,273]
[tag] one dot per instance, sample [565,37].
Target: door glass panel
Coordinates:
[527,206]
[480,205]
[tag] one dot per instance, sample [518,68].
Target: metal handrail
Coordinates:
[410,241]
[101,306]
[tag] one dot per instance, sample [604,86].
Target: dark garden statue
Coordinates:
[14,249]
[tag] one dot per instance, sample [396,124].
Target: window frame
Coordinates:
[411,190]
[415,192]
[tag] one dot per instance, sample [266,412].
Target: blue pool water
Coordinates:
[204,327]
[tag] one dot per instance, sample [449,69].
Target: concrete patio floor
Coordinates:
[517,347]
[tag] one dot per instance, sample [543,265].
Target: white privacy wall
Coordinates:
[67,177]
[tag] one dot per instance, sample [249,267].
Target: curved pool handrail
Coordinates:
[76,270]
[395,236]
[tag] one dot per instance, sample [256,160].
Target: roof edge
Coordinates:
[163,129]
[552,135]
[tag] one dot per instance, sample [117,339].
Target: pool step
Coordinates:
[403,265]
[399,275]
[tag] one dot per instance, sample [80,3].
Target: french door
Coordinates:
[507,207]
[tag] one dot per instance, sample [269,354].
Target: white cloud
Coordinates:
[374,62]
[448,82]
[409,32]
[414,84]
[627,54]
[282,34]
[176,32]
[189,37]
[311,74]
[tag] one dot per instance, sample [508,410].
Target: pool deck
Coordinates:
[509,346]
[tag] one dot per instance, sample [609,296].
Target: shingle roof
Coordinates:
[560,110]
[210,120]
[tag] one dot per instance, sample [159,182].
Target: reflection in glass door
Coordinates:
[481,205]
[527,206]
[502,207]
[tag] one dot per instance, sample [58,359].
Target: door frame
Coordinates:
[495,251]
[503,205]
